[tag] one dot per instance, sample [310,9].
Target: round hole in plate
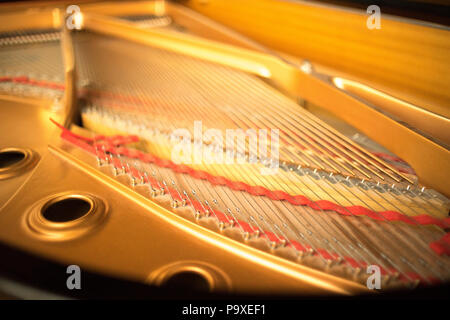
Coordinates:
[65,216]
[10,157]
[187,280]
[66,210]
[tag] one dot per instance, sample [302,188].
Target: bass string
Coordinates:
[238,210]
[305,141]
[153,73]
[305,138]
[228,210]
[238,93]
[246,198]
[238,74]
[253,220]
[327,241]
[272,229]
[260,210]
[291,111]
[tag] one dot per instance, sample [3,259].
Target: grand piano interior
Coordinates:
[217,148]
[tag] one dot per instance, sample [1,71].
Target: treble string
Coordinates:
[188,112]
[247,197]
[398,229]
[207,96]
[381,228]
[257,181]
[330,227]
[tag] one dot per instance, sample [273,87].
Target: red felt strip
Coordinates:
[110,145]
[442,246]
[137,101]
[82,143]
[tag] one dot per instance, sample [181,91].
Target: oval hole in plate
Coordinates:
[66,210]
[187,280]
[10,158]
